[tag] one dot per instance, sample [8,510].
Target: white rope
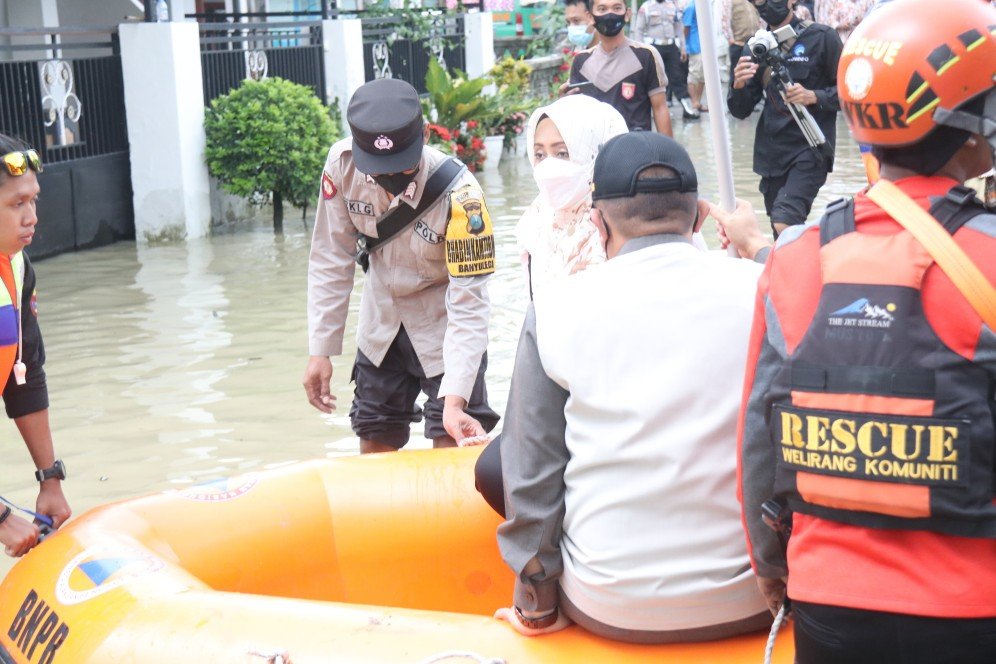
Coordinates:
[775,626]
[462,654]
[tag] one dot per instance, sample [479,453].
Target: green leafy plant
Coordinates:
[455,99]
[267,140]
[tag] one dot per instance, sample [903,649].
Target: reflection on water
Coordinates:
[174,365]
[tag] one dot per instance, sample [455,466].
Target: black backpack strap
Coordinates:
[402,216]
[956,208]
[838,220]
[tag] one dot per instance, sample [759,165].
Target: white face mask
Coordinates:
[562,183]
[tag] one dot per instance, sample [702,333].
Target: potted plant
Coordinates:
[267,141]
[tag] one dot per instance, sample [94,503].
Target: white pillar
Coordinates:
[342,46]
[479,40]
[164,103]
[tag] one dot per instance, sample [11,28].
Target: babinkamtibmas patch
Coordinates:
[470,241]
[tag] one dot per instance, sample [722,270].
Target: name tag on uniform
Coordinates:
[426,233]
[359,207]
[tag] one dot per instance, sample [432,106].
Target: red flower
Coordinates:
[459,149]
[476,143]
[471,124]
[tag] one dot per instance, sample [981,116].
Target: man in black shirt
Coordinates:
[623,73]
[791,173]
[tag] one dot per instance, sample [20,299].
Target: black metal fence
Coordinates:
[232,52]
[64,91]
[389,53]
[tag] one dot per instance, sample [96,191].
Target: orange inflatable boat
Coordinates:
[383,558]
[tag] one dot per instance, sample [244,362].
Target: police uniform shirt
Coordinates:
[658,21]
[624,78]
[409,282]
[811,62]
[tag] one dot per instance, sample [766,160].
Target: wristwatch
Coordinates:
[536,623]
[56,472]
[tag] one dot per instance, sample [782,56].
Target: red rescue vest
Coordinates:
[875,422]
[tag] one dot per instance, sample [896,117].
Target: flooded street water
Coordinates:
[174,365]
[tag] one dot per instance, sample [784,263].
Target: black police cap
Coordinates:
[624,157]
[385,118]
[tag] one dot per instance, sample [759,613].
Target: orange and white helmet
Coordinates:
[910,64]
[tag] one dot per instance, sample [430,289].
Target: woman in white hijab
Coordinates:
[555,234]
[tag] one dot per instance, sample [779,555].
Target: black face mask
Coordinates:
[395,183]
[774,12]
[610,24]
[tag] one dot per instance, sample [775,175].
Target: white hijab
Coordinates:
[558,241]
[585,123]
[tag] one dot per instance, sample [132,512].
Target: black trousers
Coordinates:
[835,635]
[788,198]
[677,74]
[488,476]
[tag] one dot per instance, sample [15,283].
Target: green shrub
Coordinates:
[268,140]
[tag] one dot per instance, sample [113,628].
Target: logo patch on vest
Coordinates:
[863,313]
[627,90]
[909,450]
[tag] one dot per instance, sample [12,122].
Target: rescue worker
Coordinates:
[22,354]
[868,414]
[418,220]
[658,23]
[791,172]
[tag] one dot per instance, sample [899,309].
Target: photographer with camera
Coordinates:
[794,67]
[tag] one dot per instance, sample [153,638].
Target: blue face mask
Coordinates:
[579,35]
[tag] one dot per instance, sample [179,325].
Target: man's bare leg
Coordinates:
[373,447]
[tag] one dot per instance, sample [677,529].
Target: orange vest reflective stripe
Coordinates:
[12,275]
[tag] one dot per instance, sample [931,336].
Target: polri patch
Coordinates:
[328,187]
[627,90]
[470,241]
[423,231]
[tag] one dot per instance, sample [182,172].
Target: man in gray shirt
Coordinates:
[619,449]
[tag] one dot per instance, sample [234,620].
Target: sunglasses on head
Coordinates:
[18,163]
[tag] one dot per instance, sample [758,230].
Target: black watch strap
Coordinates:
[56,471]
[537,623]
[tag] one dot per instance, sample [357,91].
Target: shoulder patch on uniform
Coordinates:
[470,241]
[328,187]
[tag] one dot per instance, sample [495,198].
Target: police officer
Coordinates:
[658,22]
[423,319]
[791,172]
[869,410]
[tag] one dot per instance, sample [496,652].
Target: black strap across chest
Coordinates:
[396,220]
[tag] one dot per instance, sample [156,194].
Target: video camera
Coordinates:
[766,48]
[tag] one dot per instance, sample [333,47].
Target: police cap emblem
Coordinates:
[383,143]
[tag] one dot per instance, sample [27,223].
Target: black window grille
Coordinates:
[408,59]
[233,51]
[62,91]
